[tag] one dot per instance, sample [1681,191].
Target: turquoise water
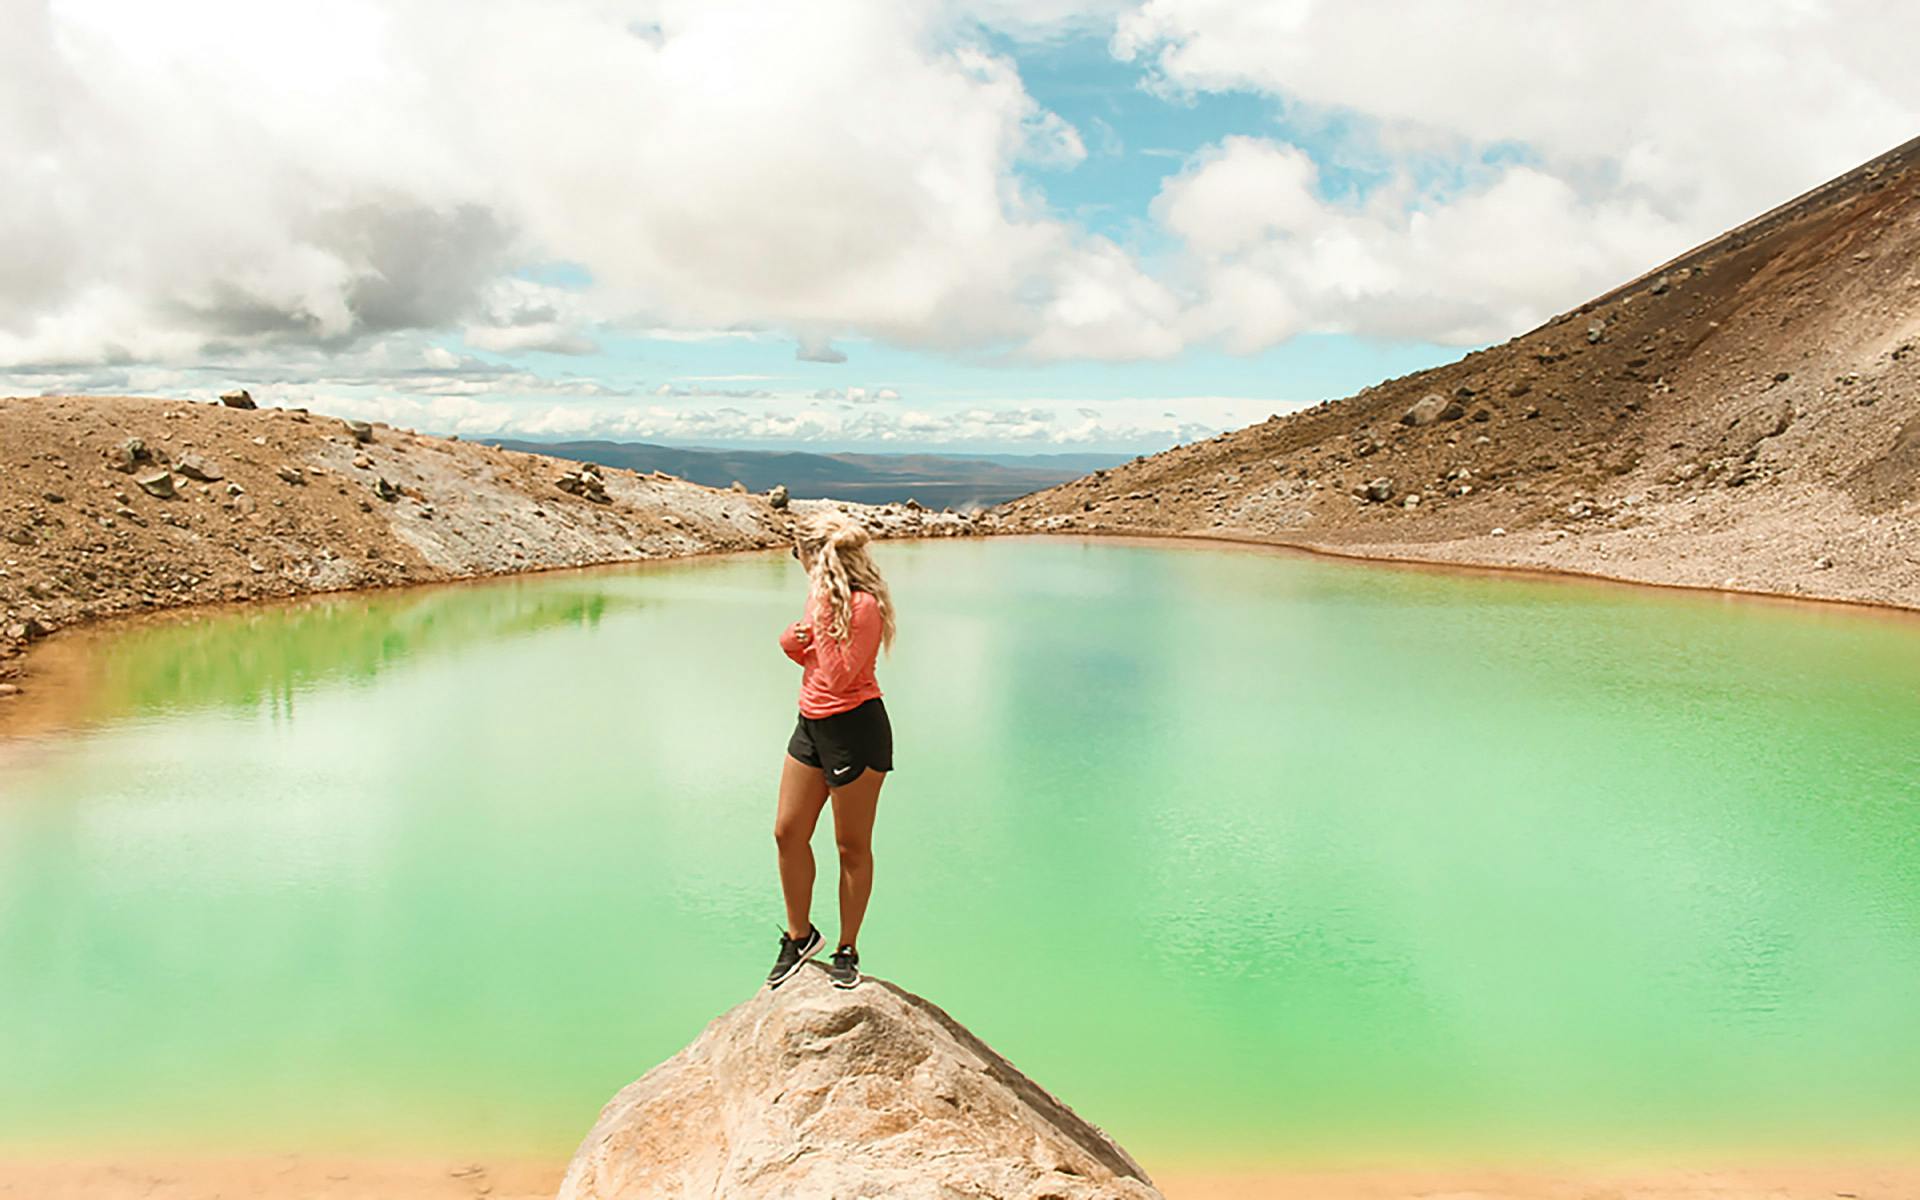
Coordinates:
[1245,856]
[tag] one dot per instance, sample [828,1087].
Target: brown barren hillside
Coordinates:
[1746,416]
[112,505]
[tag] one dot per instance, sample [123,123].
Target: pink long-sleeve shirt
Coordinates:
[835,675]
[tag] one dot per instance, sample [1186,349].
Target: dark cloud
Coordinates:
[819,350]
[421,268]
[410,267]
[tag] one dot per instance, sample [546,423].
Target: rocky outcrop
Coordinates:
[813,1091]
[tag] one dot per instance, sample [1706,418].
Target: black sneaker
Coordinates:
[793,952]
[845,971]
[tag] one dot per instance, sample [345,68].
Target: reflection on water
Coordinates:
[1243,855]
[262,657]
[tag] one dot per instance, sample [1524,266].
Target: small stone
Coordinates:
[1497,532]
[53,497]
[1596,332]
[738,486]
[1430,408]
[159,483]
[195,467]
[386,491]
[239,398]
[362,461]
[1782,376]
[1823,563]
[234,489]
[362,431]
[292,475]
[1412,500]
[778,497]
[130,454]
[9,689]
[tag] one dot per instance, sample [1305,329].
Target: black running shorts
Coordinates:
[845,744]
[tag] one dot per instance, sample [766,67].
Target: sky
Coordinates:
[1022,226]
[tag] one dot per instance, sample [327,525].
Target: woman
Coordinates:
[842,745]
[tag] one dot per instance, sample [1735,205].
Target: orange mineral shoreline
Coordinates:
[321,1177]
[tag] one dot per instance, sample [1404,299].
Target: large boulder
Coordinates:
[812,1090]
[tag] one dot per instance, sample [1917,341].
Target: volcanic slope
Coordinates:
[1746,416]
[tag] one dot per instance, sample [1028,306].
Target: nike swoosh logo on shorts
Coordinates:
[841,770]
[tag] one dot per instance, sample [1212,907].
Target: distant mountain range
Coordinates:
[961,481]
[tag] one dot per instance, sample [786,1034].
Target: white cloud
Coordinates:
[1644,128]
[858,395]
[1272,259]
[683,391]
[1037,427]
[214,181]
[220,171]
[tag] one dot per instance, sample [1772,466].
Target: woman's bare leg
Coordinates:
[803,793]
[854,807]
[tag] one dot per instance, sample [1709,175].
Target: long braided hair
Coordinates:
[836,547]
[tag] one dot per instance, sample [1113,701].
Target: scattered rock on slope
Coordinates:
[193,466]
[1431,408]
[815,1091]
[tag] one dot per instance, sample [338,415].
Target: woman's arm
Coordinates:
[797,640]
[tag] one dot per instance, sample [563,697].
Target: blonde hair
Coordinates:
[835,546]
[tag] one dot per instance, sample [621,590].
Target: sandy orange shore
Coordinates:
[309,1177]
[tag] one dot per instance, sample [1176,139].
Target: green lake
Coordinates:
[1249,857]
